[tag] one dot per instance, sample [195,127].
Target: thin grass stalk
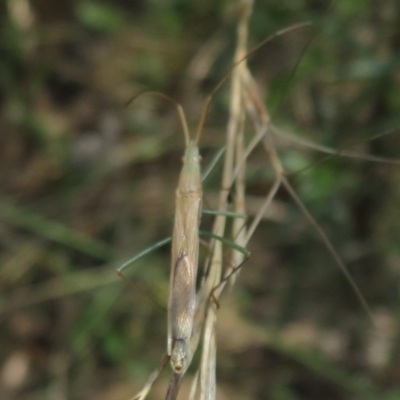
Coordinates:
[290,138]
[260,119]
[173,387]
[233,152]
[209,357]
[152,378]
[239,226]
[193,388]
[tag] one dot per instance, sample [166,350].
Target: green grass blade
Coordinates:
[54,231]
[144,253]
[213,163]
[229,214]
[226,242]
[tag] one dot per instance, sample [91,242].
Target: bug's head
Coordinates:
[179,356]
[192,156]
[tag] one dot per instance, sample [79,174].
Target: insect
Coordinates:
[185,254]
[185,249]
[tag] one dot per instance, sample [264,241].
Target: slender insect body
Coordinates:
[185,253]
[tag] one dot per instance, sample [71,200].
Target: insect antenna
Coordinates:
[178,106]
[218,86]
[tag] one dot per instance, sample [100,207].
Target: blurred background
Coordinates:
[87,182]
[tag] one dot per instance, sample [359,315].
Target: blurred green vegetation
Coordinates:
[88,182]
